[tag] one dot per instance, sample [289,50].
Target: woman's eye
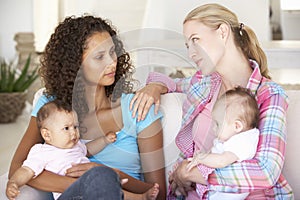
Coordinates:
[99,57]
[66,128]
[76,127]
[195,39]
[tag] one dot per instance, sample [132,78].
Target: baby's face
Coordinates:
[223,122]
[63,129]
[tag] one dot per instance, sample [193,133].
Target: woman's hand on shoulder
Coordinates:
[144,98]
[78,170]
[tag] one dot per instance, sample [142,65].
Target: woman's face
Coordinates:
[99,60]
[205,45]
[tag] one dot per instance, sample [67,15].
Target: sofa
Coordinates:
[171,108]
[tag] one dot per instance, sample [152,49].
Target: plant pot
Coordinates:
[11,106]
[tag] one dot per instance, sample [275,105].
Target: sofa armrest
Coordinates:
[171,107]
[291,165]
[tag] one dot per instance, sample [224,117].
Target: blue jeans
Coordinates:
[99,183]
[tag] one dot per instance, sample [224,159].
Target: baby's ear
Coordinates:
[45,134]
[238,126]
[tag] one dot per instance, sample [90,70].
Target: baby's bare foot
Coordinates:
[152,193]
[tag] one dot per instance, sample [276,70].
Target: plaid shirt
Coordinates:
[261,176]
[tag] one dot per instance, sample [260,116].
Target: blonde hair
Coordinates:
[213,15]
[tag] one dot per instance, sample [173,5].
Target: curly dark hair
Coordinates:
[61,61]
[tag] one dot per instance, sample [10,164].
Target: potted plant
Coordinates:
[13,89]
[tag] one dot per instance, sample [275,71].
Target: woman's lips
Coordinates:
[111,74]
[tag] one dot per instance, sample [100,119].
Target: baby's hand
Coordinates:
[12,190]
[195,160]
[111,137]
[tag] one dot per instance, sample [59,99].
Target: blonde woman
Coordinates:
[227,54]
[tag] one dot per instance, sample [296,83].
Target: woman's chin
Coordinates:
[206,72]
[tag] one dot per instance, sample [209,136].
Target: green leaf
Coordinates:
[3,74]
[10,82]
[30,79]
[22,77]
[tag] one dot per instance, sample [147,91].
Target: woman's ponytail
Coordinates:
[246,39]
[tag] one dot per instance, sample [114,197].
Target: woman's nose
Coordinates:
[191,52]
[110,62]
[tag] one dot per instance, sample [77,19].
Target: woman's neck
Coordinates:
[235,69]
[236,75]
[96,97]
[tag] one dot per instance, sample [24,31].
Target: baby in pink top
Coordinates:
[58,125]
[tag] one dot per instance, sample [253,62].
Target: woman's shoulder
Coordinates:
[39,102]
[127,96]
[125,100]
[129,121]
[270,87]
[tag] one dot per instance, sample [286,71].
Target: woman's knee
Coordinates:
[96,176]
[101,182]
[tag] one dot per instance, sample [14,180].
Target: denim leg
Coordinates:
[99,183]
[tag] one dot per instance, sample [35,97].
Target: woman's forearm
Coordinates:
[150,142]
[50,182]
[159,87]
[133,185]
[180,85]
[163,80]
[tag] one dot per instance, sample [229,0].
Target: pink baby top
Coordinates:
[48,157]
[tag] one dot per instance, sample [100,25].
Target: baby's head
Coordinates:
[58,124]
[234,112]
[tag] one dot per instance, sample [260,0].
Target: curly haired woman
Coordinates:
[85,65]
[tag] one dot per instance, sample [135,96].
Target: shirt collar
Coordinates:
[255,78]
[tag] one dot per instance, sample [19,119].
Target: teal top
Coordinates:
[122,154]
